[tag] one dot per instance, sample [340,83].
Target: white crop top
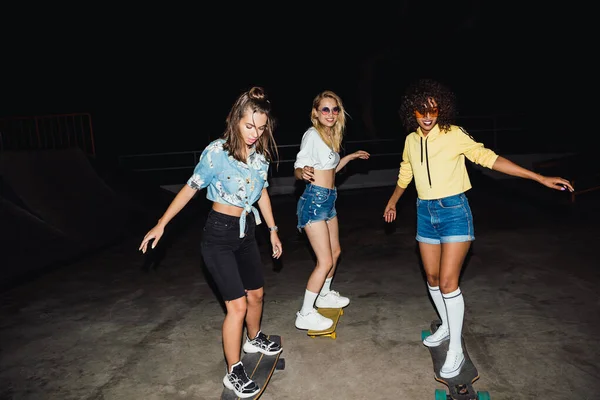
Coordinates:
[315,153]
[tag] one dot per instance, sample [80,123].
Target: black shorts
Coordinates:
[234,263]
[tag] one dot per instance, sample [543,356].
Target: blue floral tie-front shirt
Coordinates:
[229,181]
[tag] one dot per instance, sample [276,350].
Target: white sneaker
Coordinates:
[312,321]
[262,344]
[238,381]
[453,364]
[438,337]
[332,299]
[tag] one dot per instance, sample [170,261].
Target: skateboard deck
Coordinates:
[259,368]
[460,387]
[333,314]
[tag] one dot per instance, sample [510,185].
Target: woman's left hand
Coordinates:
[360,154]
[276,244]
[557,183]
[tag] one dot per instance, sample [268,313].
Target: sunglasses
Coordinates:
[327,110]
[432,113]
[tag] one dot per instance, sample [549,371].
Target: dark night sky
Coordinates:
[159,79]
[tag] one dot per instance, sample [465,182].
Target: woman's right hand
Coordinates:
[389,214]
[308,173]
[154,233]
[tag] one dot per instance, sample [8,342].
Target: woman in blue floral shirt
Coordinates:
[234,171]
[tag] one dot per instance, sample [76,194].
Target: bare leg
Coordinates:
[318,236]
[443,263]
[431,256]
[307,317]
[334,242]
[453,256]
[254,314]
[233,325]
[331,298]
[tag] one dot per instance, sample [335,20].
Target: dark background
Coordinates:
[163,77]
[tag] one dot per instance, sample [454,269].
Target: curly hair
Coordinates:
[255,100]
[416,97]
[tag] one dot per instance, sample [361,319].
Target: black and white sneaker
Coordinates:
[238,381]
[261,343]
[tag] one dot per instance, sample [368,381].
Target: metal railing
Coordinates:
[48,132]
[385,152]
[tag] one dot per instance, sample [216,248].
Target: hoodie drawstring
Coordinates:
[426,159]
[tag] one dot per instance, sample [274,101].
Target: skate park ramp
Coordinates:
[28,243]
[55,206]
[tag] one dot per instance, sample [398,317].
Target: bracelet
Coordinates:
[273,228]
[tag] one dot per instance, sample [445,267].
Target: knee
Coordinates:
[237,307]
[336,253]
[433,280]
[325,263]
[448,285]
[255,296]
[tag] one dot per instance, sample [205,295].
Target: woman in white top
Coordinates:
[317,163]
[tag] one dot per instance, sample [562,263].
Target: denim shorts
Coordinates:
[234,263]
[445,220]
[316,204]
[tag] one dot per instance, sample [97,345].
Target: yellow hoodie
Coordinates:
[437,161]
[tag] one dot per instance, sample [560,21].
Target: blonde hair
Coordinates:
[337,130]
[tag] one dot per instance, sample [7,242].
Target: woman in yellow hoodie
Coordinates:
[434,155]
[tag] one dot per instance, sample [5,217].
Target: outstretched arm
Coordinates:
[510,168]
[345,160]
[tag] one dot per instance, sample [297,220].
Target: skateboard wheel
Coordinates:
[424,334]
[483,395]
[440,394]
[333,335]
[280,364]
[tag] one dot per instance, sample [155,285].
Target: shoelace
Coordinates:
[240,376]
[263,342]
[441,332]
[455,363]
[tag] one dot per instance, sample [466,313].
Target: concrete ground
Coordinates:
[120,326]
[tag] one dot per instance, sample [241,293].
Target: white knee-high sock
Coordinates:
[438,301]
[326,286]
[455,307]
[309,301]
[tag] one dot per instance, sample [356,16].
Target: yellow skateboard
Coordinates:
[333,314]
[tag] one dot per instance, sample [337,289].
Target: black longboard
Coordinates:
[259,368]
[461,386]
